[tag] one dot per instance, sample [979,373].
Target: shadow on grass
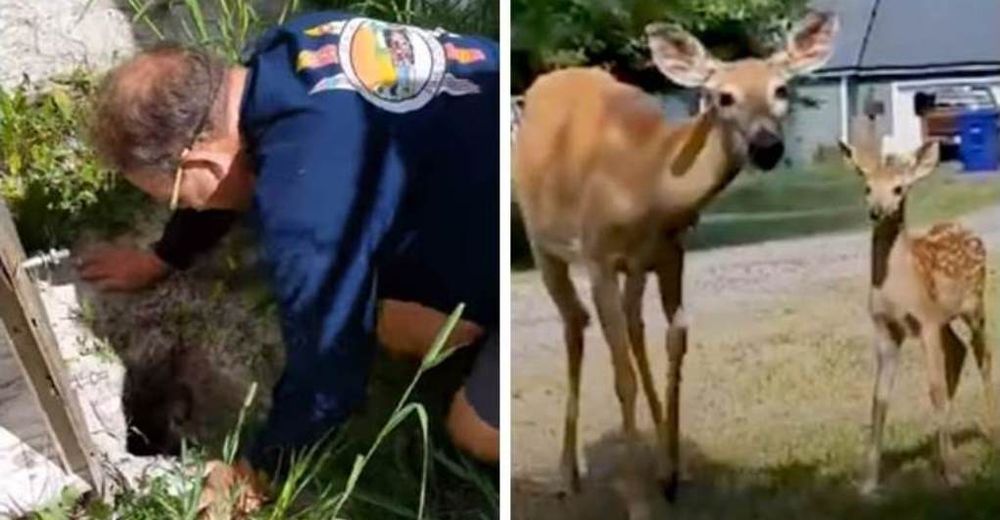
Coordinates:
[797,489]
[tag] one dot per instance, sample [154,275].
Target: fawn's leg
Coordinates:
[670,275]
[984,360]
[887,342]
[937,354]
[555,274]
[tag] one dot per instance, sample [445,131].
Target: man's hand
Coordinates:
[231,492]
[121,269]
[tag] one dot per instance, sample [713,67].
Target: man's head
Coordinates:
[166,120]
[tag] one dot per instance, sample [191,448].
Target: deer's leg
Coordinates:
[611,311]
[555,274]
[984,360]
[670,275]
[635,284]
[887,342]
[937,356]
[607,299]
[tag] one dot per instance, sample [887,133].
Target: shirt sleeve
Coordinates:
[190,233]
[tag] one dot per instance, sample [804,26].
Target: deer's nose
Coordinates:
[766,149]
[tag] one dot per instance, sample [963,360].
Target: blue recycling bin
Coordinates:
[979,149]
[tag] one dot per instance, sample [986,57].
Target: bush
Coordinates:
[481,17]
[49,178]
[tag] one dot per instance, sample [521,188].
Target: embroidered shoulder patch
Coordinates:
[325,55]
[463,56]
[395,67]
[326,28]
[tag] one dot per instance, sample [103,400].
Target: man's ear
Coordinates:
[809,45]
[216,162]
[679,55]
[924,161]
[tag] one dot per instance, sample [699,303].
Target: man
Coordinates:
[356,192]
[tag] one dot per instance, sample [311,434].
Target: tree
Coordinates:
[548,34]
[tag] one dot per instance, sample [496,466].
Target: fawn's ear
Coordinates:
[850,155]
[924,161]
[679,55]
[809,45]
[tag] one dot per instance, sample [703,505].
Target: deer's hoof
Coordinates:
[570,483]
[669,486]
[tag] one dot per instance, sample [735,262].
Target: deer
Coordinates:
[921,284]
[604,180]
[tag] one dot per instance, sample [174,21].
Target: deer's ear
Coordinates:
[924,161]
[809,45]
[679,55]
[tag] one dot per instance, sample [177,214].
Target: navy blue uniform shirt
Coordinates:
[376,147]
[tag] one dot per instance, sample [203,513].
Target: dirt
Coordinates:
[776,391]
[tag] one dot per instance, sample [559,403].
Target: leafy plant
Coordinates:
[225,26]
[228,26]
[49,178]
[548,34]
[462,16]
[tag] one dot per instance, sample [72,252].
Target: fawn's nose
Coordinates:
[766,149]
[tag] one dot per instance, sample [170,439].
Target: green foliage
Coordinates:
[548,34]
[225,26]
[462,16]
[49,178]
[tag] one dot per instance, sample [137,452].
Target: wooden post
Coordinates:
[37,352]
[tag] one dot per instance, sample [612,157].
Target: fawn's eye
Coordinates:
[781,92]
[726,99]
[868,190]
[898,190]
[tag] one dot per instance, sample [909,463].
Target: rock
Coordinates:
[40,40]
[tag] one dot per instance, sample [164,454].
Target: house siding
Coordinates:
[811,127]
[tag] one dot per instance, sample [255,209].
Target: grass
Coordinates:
[825,198]
[384,464]
[777,391]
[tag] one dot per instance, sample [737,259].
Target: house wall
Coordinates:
[875,91]
[41,39]
[810,127]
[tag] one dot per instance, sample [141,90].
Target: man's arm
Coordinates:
[188,234]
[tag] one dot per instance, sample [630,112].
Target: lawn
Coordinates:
[825,198]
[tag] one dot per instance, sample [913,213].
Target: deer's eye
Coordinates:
[868,190]
[898,190]
[781,92]
[726,99]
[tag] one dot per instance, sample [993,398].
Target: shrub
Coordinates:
[49,178]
